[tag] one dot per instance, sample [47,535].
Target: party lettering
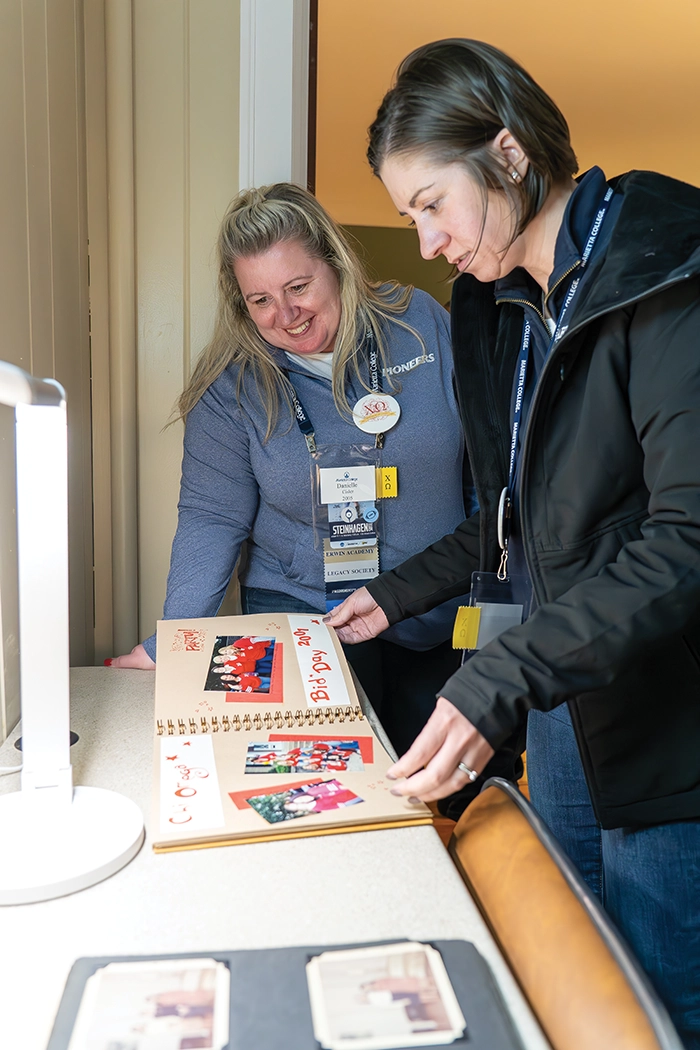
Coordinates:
[181,816]
[319,695]
[185,789]
[317,661]
[317,665]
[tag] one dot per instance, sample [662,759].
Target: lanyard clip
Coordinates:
[310,440]
[502,573]
[379,441]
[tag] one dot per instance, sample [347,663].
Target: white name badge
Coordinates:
[348,484]
[375,413]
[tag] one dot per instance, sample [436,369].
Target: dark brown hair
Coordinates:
[450,100]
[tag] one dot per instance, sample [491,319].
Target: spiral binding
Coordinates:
[317,717]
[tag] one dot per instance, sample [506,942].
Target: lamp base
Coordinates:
[49,852]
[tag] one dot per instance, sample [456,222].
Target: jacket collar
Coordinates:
[576,224]
[655,242]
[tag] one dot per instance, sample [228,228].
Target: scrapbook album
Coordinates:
[260,735]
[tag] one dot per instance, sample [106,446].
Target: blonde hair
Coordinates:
[256,220]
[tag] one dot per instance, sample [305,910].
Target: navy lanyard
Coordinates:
[505,506]
[302,418]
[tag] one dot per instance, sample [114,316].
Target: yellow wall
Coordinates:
[626,74]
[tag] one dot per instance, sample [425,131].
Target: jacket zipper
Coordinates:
[525,302]
[562,278]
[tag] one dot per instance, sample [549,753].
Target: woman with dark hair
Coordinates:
[576,327]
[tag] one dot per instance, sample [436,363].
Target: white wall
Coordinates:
[194,61]
[43,282]
[186,90]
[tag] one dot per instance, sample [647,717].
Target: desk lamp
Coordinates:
[56,838]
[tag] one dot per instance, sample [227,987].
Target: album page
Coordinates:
[260,734]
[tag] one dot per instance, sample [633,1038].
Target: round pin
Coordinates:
[375,413]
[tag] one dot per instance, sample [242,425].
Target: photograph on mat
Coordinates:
[151,1005]
[394,995]
[304,756]
[303,800]
[245,665]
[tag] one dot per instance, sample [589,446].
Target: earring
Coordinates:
[515,175]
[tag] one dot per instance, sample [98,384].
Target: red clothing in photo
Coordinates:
[338,798]
[240,665]
[250,682]
[257,650]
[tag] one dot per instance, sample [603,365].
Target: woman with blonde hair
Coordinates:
[302,337]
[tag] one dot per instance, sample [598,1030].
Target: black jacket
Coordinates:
[610,513]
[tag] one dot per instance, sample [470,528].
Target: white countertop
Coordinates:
[335,889]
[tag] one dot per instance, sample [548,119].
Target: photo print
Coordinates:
[246,668]
[302,800]
[304,756]
[394,995]
[150,1005]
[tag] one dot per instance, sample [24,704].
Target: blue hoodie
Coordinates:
[236,486]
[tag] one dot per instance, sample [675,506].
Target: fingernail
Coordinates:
[413,799]
[391,776]
[393,791]
[108,662]
[326,619]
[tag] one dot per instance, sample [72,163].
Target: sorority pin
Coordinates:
[375,413]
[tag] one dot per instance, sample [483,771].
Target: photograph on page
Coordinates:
[171,1004]
[245,666]
[395,995]
[304,756]
[303,801]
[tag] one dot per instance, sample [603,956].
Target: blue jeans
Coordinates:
[647,879]
[257,600]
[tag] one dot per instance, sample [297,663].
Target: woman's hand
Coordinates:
[447,739]
[138,658]
[358,618]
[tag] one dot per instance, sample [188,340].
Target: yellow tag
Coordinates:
[387,482]
[466,628]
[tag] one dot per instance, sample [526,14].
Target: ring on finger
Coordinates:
[471,773]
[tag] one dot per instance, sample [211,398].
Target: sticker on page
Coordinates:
[319,664]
